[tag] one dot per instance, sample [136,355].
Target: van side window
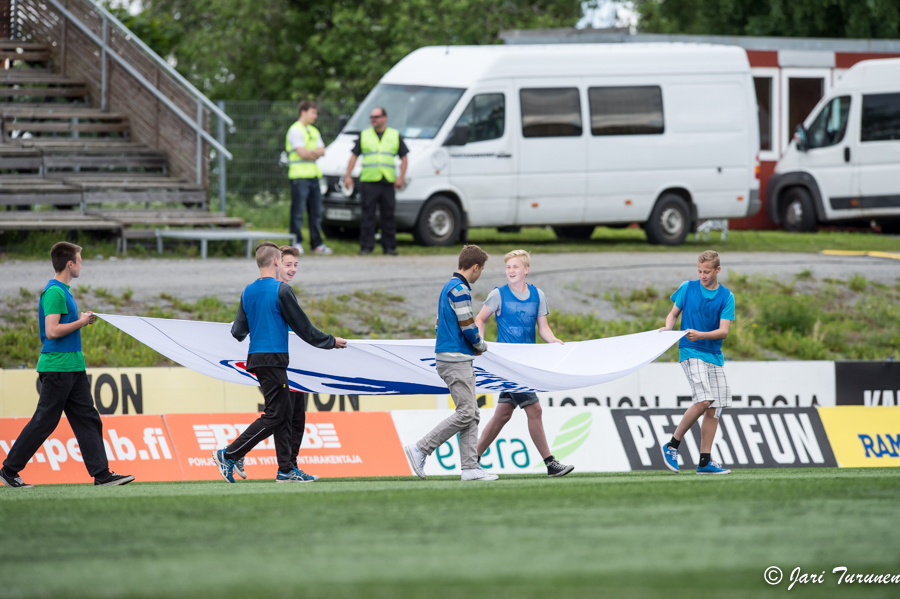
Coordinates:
[551,112]
[626,110]
[880,117]
[486,117]
[830,124]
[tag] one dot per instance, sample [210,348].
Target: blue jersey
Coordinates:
[517,319]
[72,341]
[268,330]
[702,310]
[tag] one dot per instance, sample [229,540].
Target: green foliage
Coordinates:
[794,18]
[297,49]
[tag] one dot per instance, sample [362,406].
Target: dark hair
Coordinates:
[265,253]
[383,111]
[62,253]
[306,105]
[470,256]
[289,250]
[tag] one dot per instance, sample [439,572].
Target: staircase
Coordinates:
[67,164]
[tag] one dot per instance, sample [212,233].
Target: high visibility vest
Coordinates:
[300,168]
[378,155]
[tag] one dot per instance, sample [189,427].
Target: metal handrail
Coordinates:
[201,99]
[159,60]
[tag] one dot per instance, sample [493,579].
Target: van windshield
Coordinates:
[416,111]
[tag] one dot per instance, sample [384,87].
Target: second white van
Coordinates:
[568,136]
[843,166]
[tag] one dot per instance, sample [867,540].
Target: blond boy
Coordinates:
[707,310]
[518,308]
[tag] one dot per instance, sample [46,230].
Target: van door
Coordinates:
[552,154]
[484,169]
[878,154]
[829,157]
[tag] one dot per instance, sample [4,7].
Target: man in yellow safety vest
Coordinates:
[378,146]
[304,146]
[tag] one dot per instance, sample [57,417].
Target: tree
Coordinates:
[795,18]
[293,49]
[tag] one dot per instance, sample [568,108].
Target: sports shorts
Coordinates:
[708,383]
[518,399]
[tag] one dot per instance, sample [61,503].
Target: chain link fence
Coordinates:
[257,139]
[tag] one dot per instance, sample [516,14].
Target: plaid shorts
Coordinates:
[708,383]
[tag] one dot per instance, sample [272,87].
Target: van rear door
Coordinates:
[484,169]
[552,153]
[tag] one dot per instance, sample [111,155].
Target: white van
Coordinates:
[844,163]
[570,136]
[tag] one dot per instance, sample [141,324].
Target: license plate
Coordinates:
[339,214]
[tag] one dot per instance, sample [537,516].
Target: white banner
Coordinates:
[376,367]
[753,385]
[586,438]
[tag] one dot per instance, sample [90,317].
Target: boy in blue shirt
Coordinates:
[64,384]
[458,342]
[519,308]
[707,310]
[266,310]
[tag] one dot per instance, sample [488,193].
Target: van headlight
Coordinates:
[323,185]
[346,191]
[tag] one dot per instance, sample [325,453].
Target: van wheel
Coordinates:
[576,233]
[670,221]
[797,213]
[891,228]
[439,223]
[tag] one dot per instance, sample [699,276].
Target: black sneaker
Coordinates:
[365,252]
[554,468]
[390,252]
[113,479]
[12,481]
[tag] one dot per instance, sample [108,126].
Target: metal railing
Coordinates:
[35,19]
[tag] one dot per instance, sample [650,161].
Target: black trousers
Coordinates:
[298,423]
[276,419]
[381,196]
[68,392]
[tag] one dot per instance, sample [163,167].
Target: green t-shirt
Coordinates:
[54,302]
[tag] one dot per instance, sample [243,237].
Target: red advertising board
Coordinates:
[335,444]
[138,445]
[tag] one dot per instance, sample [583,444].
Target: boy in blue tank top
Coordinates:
[519,308]
[64,385]
[266,310]
[707,311]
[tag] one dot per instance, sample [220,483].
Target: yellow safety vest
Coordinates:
[378,155]
[300,168]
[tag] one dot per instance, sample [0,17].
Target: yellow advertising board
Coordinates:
[177,390]
[863,436]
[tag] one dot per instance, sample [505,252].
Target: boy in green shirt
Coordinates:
[64,384]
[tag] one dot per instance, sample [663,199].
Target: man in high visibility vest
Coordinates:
[304,146]
[378,145]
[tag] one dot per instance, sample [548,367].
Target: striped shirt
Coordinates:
[461,304]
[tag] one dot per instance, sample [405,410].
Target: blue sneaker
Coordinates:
[239,468]
[713,468]
[295,476]
[670,457]
[226,467]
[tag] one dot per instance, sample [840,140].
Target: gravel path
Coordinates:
[572,282]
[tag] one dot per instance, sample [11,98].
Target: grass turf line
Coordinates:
[634,534]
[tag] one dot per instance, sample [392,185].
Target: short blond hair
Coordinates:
[289,250]
[265,253]
[522,255]
[709,256]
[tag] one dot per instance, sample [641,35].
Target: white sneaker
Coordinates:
[299,248]
[416,459]
[478,474]
[323,250]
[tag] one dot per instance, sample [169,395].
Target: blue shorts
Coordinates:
[518,399]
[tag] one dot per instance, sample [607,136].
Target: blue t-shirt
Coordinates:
[727,314]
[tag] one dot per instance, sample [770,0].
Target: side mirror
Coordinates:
[342,121]
[459,136]
[802,138]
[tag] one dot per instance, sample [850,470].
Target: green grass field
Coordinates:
[590,535]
